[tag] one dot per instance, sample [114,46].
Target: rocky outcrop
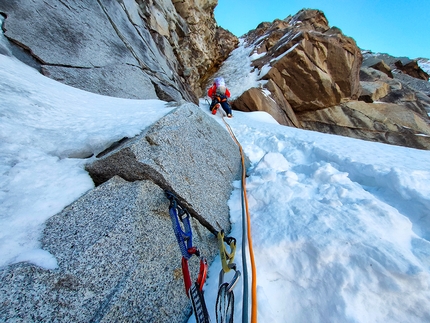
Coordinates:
[188,30]
[315,78]
[382,122]
[123,48]
[401,90]
[273,103]
[403,65]
[312,65]
[169,153]
[118,259]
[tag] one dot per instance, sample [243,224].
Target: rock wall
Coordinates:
[317,79]
[118,259]
[123,48]
[310,65]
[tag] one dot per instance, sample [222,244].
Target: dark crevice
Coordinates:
[72,66]
[162,95]
[25,49]
[124,164]
[24,54]
[112,147]
[65,4]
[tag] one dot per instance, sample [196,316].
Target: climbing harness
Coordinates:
[246,235]
[183,233]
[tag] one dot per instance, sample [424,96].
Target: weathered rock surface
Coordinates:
[198,43]
[382,122]
[316,79]
[404,65]
[181,153]
[273,103]
[413,76]
[373,91]
[313,65]
[124,48]
[401,89]
[118,259]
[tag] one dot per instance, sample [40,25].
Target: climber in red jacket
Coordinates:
[219,94]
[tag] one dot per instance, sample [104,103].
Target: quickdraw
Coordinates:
[183,233]
[195,291]
[226,257]
[201,278]
[225,299]
[181,219]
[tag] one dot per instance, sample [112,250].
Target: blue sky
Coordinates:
[396,27]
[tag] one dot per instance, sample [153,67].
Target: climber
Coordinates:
[219,94]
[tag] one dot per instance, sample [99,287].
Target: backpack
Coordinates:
[220,85]
[220,90]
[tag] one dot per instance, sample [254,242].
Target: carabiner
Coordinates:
[201,278]
[233,281]
[178,215]
[226,257]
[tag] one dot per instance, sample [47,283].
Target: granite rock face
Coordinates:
[118,259]
[313,65]
[316,78]
[382,122]
[122,48]
[185,152]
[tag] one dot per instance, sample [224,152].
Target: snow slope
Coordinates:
[46,129]
[340,226]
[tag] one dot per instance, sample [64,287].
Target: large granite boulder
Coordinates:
[185,152]
[117,262]
[118,259]
[272,102]
[307,64]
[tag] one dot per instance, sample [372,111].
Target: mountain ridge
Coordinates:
[171,51]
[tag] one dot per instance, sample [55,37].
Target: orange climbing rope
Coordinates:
[248,220]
